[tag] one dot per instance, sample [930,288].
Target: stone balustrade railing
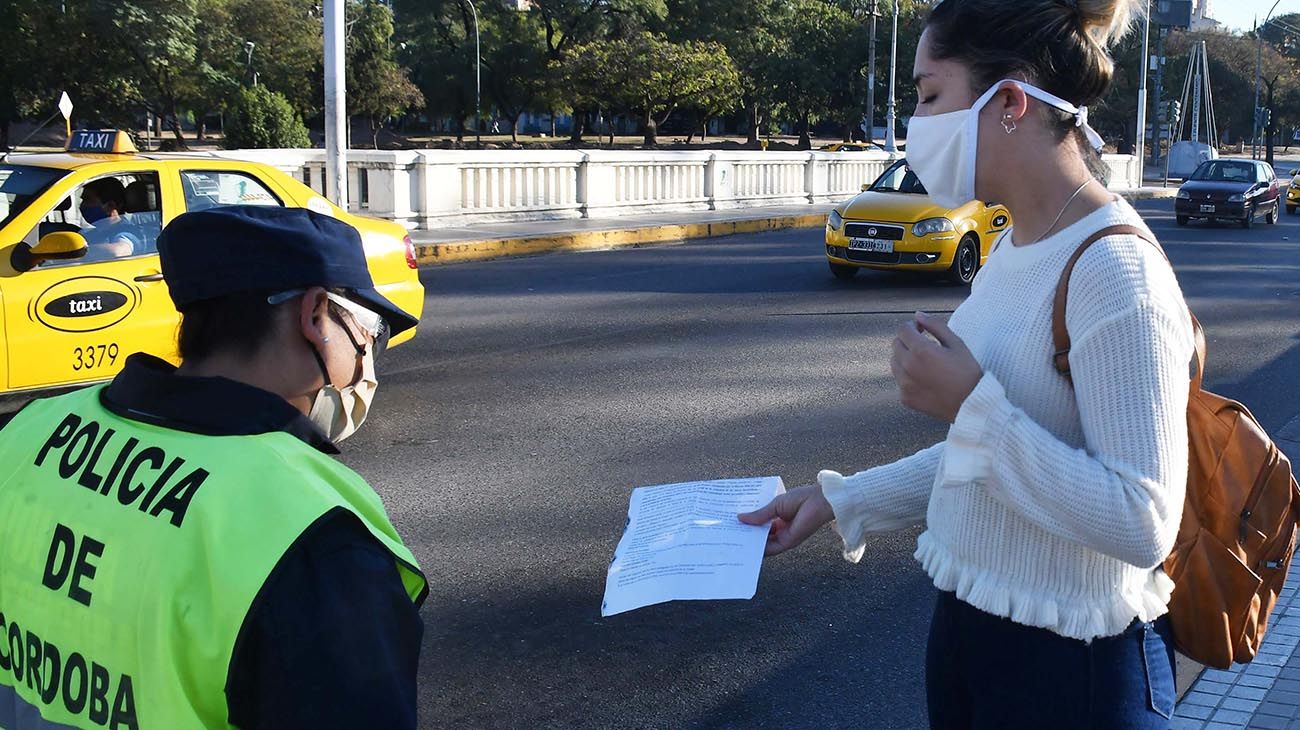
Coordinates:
[430,188]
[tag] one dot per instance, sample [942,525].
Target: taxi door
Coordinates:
[70,322]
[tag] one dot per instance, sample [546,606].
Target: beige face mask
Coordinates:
[339,412]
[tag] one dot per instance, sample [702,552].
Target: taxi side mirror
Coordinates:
[1293,173]
[866,187]
[57,246]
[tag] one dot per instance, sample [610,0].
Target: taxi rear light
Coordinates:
[411,261]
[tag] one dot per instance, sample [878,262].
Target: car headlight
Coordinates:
[932,225]
[1238,198]
[835,220]
[1184,195]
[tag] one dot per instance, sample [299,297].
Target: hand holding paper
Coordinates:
[795,516]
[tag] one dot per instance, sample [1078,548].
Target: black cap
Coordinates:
[261,248]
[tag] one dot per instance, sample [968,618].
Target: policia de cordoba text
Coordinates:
[76,448]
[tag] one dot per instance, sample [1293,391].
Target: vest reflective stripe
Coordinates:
[132,553]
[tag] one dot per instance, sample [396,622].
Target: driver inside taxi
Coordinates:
[107,234]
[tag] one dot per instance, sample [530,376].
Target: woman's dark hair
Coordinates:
[235,323]
[1057,45]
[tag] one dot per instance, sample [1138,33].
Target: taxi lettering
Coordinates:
[85,304]
[84,448]
[83,687]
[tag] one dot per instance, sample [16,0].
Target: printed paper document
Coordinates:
[683,542]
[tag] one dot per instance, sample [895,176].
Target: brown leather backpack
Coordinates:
[1238,530]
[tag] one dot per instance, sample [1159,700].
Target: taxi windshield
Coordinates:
[899,179]
[20,185]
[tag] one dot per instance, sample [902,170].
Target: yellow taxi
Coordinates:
[850,147]
[1293,192]
[80,282]
[893,225]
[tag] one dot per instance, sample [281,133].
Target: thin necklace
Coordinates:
[1062,213]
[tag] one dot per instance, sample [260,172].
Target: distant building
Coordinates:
[1203,16]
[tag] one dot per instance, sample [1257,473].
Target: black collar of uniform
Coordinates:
[150,390]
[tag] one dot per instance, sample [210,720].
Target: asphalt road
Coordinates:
[506,438]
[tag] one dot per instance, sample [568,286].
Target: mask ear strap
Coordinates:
[320,363]
[1080,113]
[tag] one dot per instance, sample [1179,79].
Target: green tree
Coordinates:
[438,44]
[259,118]
[652,77]
[514,62]
[287,52]
[159,40]
[568,24]
[378,87]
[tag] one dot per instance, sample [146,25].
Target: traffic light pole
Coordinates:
[1160,90]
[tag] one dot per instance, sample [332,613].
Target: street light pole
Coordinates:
[1259,72]
[336,117]
[871,75]
[478,61]
[891,144]
[1142,95]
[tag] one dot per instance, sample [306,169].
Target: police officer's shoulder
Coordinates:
[6,418]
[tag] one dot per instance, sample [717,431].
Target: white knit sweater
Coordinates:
[1049,504]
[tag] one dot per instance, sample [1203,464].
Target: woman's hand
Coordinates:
[795,516]
[934,378]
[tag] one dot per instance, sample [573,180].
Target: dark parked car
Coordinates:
[1231,190]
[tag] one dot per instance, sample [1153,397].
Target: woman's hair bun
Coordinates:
[1106,21]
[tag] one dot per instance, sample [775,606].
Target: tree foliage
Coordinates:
[377,86]
[652,77]
[800,63]
[263,119]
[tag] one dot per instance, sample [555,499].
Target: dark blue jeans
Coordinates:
[985,672]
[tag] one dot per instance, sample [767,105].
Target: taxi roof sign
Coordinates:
[101,141]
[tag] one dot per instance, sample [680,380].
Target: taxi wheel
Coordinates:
[1180,220]
[843,272]
[1290,210]
[965,262]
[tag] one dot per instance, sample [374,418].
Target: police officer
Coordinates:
[179,549]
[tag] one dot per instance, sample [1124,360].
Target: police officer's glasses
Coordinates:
[369,321]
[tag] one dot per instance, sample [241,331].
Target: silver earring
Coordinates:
[1007,124]
[325,339]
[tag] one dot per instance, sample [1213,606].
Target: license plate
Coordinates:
[1207,208]
[874,245]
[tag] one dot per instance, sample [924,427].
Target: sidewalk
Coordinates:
[1266,692]
[498,240]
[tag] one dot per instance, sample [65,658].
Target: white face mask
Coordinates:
[941,148]
[339,412]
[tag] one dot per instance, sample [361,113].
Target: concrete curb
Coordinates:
[451,252]
[429,254]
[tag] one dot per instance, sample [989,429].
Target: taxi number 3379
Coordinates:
[94,356]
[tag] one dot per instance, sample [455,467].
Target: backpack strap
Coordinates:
[1061,336]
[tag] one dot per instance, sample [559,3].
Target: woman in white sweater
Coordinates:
[1051,505]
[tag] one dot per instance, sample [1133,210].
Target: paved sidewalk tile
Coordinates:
[1262,695]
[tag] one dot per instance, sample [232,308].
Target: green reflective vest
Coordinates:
[131,553]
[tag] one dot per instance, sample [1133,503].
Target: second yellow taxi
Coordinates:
[80,282]
[893,225]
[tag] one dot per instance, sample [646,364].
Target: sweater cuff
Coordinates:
[848,509]
[968,453]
